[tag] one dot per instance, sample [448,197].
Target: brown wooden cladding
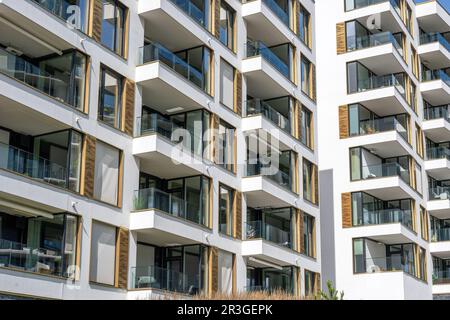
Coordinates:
[88,168]
[299,120]
[78,248]
[341,38]
[346,204]
[238,215]
[216,17]
[343,122]
[315,186]
[214,270]
[122,258]
[128,103]
[302,230]
[215,139]
[96,20]
[238,93]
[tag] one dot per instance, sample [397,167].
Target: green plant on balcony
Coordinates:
[332,293]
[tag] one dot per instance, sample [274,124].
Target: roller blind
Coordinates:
[225,272]
[103,253]
[227,84]
[106,173]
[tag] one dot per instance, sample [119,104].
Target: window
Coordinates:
[304,27]
[45,245]
[113,26]
[308,78]
[308,235]
[110,107]
[226,210]
[306,127]
[106,177]
[310,188]
[413,96]
[415,62]
[103,253]
[422,272]
[227,25]
[226,146]
[419,141]
[424,224]
[312,283]
[227,76]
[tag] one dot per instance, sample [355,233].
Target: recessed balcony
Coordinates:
[270,279]
[437,162]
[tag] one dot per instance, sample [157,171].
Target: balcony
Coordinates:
[267,20]
[384,124]
[268,70]
[441,277]
[437,122]
[440,234]
[435,86]
[386,216]
[385,54]
[255,107]
[262,230]
[62,77]
[283,179]
[153,277]
[270,279]
[169,81]
[59,8]
[435,50]
[437,162]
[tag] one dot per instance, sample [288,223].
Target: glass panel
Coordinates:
[75,161]
[110,109]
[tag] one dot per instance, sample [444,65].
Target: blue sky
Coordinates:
[445,3]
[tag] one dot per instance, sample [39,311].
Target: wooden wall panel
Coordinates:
[214,270]
[238,93]
[346,203]
[128,103]
[343,122]
[341,38]
[302,230]
[122,258]
[238,215]
[88,166]
[96,20]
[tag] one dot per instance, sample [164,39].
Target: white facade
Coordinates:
[127,237]
[380,266]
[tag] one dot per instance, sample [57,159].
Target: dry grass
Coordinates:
[255,295]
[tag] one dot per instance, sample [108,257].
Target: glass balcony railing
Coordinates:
[154,277]
[64,9]
[438,153]
[257,106]
[440,234]
[157,52]
[192,10]
[385,170]
[378,82]
[426,38]
[155,123]
[439,193]
[279,12]
[280,177]
[257,48]
[55,84]
[440,74]
[377,39]
[31,165]
[384,264]
[261,230]
[358,4]
[382,125]
[437,112]
[384,216]
[153,198]
[441,277]
[21,256]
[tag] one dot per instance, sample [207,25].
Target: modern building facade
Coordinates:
[383,132]
[157,147]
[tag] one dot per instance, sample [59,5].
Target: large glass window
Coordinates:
[227,25]
[113,26]
[225,262]
[106,179]
[308,77]
[309,235]
[305,26]
[45,245]
[226,146]
[311,283]
[310,189]
[110,107]
[306,127]
[227,73]
[226,210]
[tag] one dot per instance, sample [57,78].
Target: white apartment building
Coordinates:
[383,133]
[133,148]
